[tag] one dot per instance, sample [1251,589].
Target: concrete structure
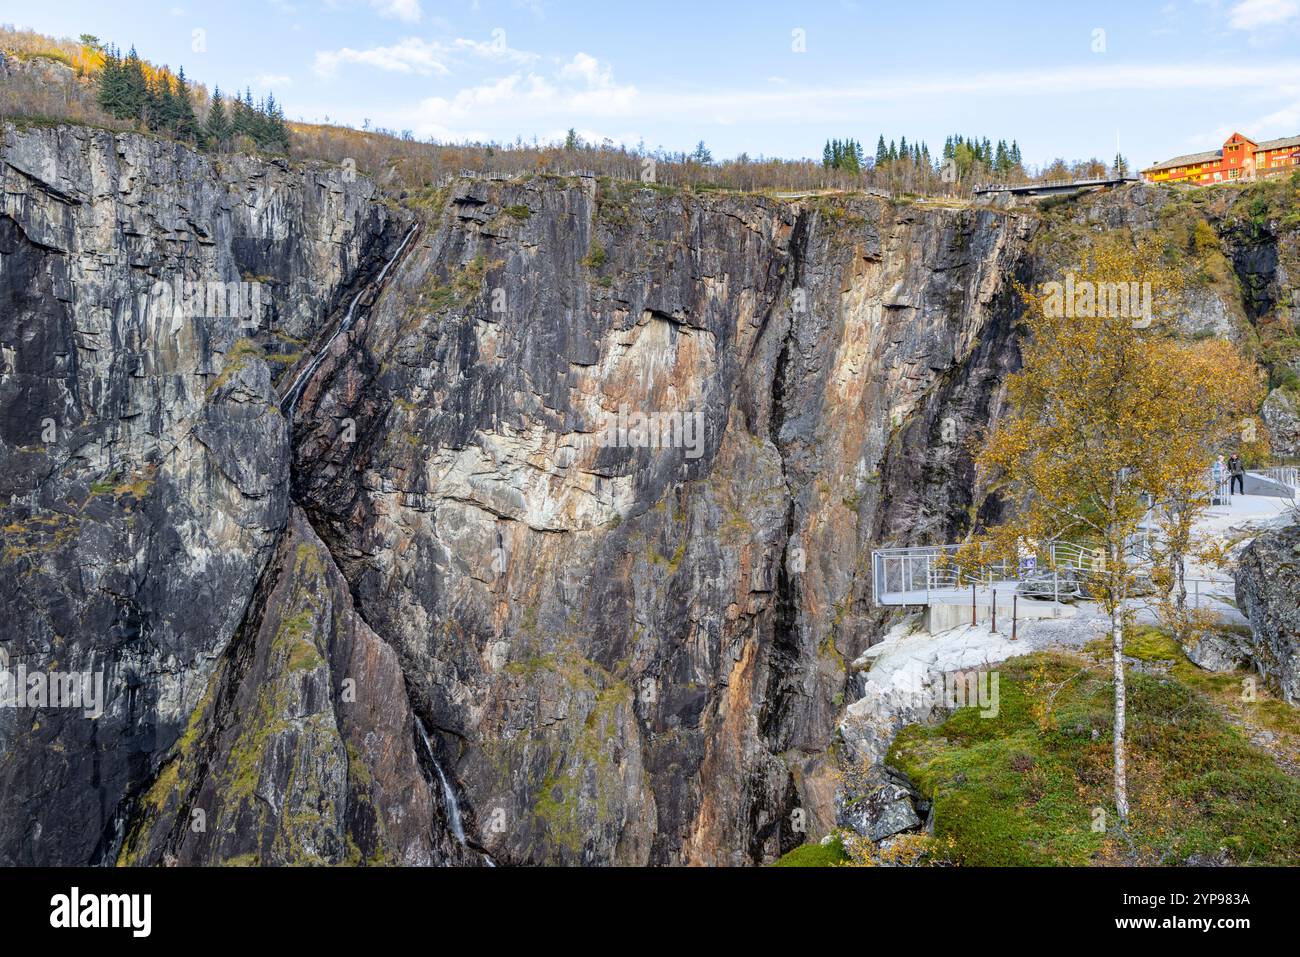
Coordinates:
[1054,187]
[1241,159]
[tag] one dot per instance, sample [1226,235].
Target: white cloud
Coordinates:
[411,55]
[589,70]
[584,92]
[588,135]
[408,11]
[495,49]
[267,80]
[839,102]
[581,87]
[1253,14]
[414,55]
[536,7]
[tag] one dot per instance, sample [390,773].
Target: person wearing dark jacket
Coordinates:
[1238,473]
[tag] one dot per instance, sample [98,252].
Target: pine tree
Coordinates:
[217,128]
[246,121]
[159,109]
[112,93]
[186,125]
[882,151]
[275,135]
[826,155]
[239,119]
[135,88]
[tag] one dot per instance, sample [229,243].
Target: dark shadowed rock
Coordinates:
[1268,593]
[143,459]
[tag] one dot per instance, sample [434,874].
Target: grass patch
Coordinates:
[1150,644]
[241,353]
[830,854]
[1021,788]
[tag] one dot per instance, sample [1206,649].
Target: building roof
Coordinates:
[1187,160]
[1279,144]
[1210,155]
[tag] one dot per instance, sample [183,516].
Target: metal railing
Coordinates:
[1053,184]
[929,574]
[1288,475]
[918,575]
[1201,591]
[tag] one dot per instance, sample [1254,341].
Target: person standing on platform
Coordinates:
[1237,471]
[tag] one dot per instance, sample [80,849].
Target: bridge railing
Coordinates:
[1053,184]
[1288,475]
[914,571]
[930,574]
[911,575]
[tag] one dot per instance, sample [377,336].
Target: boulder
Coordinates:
[1281,414]
[1218,651]
[884,804]
[1268,593]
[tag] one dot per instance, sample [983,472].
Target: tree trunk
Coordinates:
[1121,705]
[1180,598]
[1118,594]
[1179,543]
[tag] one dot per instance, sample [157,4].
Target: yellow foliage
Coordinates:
[1104,410]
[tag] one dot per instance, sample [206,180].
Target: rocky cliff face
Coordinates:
[1268,593]
[638,654]
[566,550]
[143,461]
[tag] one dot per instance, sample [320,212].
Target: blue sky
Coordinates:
[1065,79]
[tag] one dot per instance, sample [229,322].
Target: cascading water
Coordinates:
[287,405]
[448,795]
[299,383]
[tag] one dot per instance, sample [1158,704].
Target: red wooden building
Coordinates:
[1241,158]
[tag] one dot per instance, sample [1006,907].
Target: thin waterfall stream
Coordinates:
[448,794]
[289,403]
[294,392]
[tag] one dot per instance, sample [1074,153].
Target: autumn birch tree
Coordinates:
[1101,423]
[1222,390]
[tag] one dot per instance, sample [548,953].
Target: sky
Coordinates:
[1071,80]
